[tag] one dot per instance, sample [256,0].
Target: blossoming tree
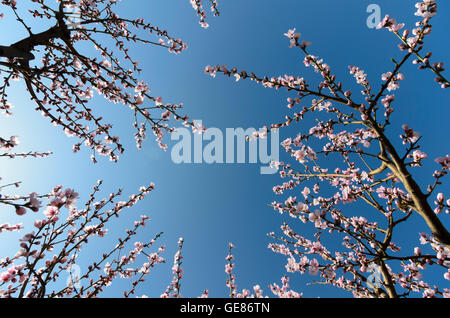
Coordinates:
[61,75]
[374,171]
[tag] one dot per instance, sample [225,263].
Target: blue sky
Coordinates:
[211,205]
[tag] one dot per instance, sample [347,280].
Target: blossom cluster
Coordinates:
[57,241]
[63,83]
[372,170]
[199,9]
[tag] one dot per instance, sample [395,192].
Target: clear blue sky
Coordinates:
[211,205]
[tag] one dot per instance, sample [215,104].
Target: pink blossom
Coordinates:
[51,211]
[5,277]
[444,161]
